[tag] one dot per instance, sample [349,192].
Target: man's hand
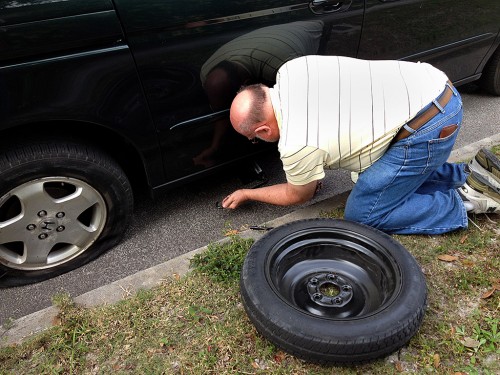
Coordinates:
[235,199]
[281,195]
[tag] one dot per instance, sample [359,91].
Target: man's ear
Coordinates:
[264,128]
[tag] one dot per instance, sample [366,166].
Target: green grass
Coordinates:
[196,324]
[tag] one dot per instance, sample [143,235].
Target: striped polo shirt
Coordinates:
[340,112]
[262,52]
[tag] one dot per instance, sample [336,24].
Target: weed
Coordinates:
[8,324]
[63,301]
[223,262]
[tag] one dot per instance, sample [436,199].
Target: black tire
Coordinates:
[375,304]
[490,78]
[62,204]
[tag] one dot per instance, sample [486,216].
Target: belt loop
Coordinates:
[453,89]
[436,103]
[408,129]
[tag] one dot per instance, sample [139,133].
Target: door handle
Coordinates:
[318,3]
[328,6]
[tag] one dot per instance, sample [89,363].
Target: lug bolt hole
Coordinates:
[42,213]
[31,227]
[60,228]
[60,215]
[43,236]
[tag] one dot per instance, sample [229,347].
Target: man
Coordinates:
[394,122]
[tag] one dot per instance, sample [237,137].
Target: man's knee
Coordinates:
[352,213]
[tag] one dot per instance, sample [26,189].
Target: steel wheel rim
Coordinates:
[333,273]
[49,221]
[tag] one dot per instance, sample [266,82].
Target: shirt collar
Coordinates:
[276,106]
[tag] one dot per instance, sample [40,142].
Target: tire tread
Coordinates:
[325,350]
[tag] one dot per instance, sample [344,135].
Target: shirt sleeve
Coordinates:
[304,165]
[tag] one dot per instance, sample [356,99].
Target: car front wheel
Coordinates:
[62,204]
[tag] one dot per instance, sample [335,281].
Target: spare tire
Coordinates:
[333,291]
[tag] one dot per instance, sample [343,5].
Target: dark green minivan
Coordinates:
[102,97]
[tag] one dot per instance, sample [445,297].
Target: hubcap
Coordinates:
[327,289]
[49,221]
[333,273]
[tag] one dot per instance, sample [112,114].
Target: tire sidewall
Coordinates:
[264,304]
[94,169]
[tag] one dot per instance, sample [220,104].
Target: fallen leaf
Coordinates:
[231,232]
[447,258]
[464,238]
[437,360]
[255,365]
[490,292]
[467,262]
[399,366]
[279,357]
[470,343]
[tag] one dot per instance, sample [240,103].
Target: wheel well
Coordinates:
[110,142]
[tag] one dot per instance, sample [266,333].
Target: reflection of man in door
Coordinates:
[251,58]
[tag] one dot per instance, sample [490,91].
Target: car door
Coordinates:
[182,48]
[453,35]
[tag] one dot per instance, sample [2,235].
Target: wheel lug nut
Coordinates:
[60,215]
[43,236]
[337,300]
[31,227]
[42,213]
[60,228]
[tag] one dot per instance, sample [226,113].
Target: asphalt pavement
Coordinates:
[482,129]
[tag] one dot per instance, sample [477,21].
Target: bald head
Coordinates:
[249,108]
[252,114]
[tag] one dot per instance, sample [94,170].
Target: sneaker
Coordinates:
[483,185]
[486,164]
[482,202]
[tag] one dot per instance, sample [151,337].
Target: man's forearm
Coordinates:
[281,195]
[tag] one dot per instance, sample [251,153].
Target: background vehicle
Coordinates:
[101,97]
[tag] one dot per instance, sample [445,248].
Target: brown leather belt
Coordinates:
[416,122]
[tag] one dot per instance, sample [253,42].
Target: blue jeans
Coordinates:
[411,189]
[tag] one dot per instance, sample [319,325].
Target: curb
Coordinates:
[39,321]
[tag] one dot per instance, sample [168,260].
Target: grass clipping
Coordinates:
[197,325]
